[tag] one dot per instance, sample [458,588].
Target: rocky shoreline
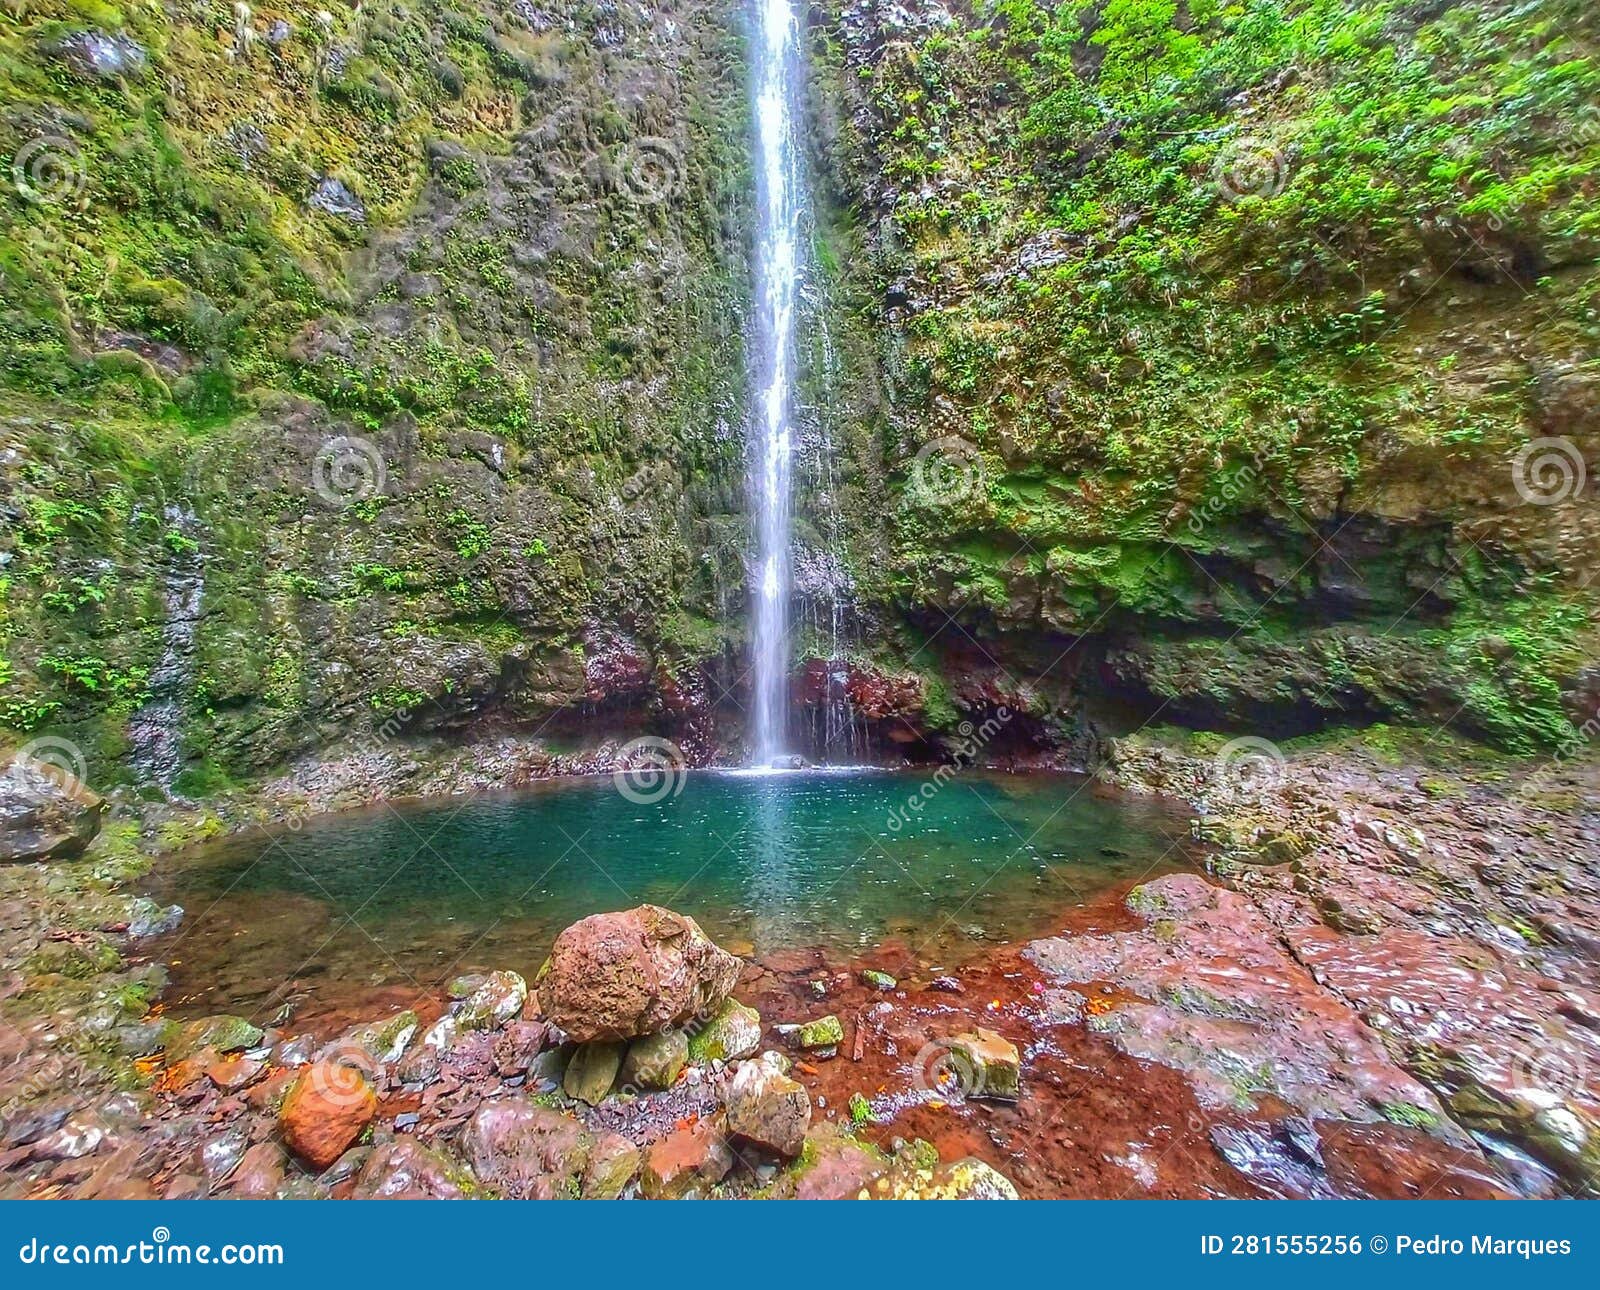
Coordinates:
[1385,988]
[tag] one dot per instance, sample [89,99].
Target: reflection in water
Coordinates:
[766,862]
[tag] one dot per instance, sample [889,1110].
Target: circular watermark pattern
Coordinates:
[348,470]
[160,1235]
[1250,167]
[1550,1066]
[48,170]
[1249,764]
[947,471]
[650,769]
[947,1072]
[1547,471]
[652,170]
[47,766]
[343,1075]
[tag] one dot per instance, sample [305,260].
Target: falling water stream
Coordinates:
[778,206]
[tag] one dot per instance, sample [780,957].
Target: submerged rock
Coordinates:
[819,1035]
[384,1040]
[619,976]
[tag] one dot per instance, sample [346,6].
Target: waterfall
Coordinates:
[777,271]
[155,730]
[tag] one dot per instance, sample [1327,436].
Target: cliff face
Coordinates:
[382,369]
[1237,363]
[367,366]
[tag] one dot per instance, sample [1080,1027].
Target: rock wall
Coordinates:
[412,332]
[1232,365]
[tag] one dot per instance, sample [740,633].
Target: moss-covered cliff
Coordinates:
[361,361]
[1210,338]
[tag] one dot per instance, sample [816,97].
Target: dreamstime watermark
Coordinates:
[1569,746]
[650,769]
[160,1249]
[344,1076]
[1548,471]
[348,470]
[970,742]
[1249,765]
[1250,167]
[946,471]
[1236,485]
[1550,1066]
[48,170]
[948,1070]
[45,767]
[651,170]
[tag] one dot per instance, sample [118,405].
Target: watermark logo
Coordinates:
[1547,471]
[47,766]
[348,470]
[1250,167]
[652,170]
[948,1072]
[1550,1066]
[343,1076]
[48,170]
[650,770]
[1249,764]
[946,471]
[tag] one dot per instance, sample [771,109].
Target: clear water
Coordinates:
[777,266]
[768,863]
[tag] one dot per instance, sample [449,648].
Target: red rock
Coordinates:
[260,1173]
[407,1170]
[691,1159]
[616,976]
[326,1110]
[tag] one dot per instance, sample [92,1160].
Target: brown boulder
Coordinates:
[618,976]
[330,1105]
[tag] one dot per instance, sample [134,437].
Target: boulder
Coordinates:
[46,813]
[622,975]
[768,1109]
[832,1166]
[330,1105]
[985,1065]
[407,1170]
[528,1152]
[656,1061]
[732,1032]
[969,1179]
[495,1002]
[517,1045]
[260,1172]
[687,1162]
[592,1071]
[613,1164]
